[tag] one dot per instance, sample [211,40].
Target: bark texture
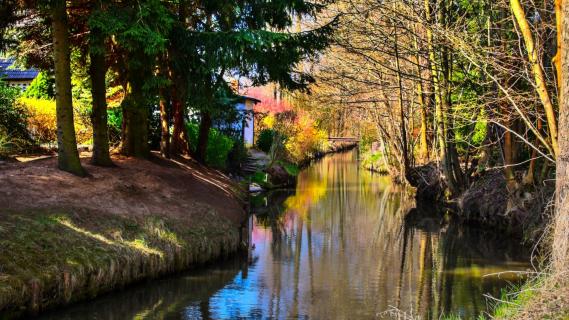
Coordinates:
[68,156]
[561,233]
[164,125]
[97,71]
[201,148]
[135,124]
[180,141]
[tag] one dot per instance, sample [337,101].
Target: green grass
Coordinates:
[290,168]
[52,258]
[514,298]
[544,297]
[373,160]
[538,298]
[259,178]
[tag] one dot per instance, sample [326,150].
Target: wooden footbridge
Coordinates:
[344,139]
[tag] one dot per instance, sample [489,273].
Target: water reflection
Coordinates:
[186,296]
[345,244]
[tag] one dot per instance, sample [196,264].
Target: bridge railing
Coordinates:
[346,139]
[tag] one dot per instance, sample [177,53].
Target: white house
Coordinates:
[19,78]
[246,107]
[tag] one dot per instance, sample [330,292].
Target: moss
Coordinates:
[53,258]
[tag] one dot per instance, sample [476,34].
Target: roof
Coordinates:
[15,74]
[255,100]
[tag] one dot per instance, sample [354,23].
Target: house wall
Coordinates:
[249,130]
[21,84]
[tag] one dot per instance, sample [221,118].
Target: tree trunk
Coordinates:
[97,71]
[68,156]
[561,233]
[440,133]
[404,145]
[164,125]
[508,155]
[180,142]
[423,142]
[201,148]
[557,58]
[447,153]
[424,103]
[539,76]
[135,124]
[454,177]
[164,116]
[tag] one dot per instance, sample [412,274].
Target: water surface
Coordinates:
[345,244]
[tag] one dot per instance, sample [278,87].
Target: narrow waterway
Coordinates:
[346,244]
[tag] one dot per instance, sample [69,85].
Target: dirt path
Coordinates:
[177,188]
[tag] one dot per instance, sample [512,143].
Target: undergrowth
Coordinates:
[545,297]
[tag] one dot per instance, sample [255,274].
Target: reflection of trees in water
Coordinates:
[452,260]
[163,299]
[355,242]
[331,214]
[268,213]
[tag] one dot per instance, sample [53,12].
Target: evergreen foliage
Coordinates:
[179,52]
[265,140]
[218,148]
[42,87]
[12,117]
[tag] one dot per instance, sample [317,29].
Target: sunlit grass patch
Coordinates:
[49,258]
[157,227]
[290,168]
[544,297]
[514,298]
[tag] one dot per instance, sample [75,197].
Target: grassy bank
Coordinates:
[69,249]
[545,297]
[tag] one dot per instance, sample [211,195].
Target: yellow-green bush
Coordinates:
[42,121]
[304,138]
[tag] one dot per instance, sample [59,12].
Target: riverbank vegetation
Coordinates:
[465,101]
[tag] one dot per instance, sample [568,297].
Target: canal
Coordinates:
[345,244]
